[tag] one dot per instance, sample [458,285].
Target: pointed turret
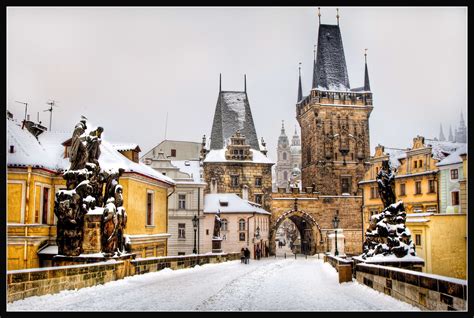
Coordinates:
[330,72]
[300,90]
[366,77]
[451,137]
[441,134]
[314,67]
[461,133]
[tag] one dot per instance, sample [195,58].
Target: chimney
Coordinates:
[245,192]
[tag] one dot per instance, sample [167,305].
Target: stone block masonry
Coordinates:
[425,291]
[50,280]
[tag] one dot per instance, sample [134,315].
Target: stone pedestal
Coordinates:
[92,243]
[216,245]
[340,242]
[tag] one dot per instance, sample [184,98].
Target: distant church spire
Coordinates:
[337,15]
[300,89]
[220,82]
[461,133]
[441,134]
[451,137]
[366,78]
[319,15]
[283,127]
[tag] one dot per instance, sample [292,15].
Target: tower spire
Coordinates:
[314,67]
[319,15]
[245,83]
[337,15]
[441,133]
[366,77]
[282,127]
[300,90]
[220,82]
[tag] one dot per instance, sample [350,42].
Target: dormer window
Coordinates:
[223,202]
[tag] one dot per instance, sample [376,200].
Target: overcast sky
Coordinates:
[126,68]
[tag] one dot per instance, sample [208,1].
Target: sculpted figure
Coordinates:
[386,184]
[79,153]
[93,145]
[109,228]
[217,225]
[121,218]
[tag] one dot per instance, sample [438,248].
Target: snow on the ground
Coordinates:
[268,284]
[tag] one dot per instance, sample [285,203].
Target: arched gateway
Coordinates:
[308,227]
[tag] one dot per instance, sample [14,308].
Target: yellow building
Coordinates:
[417,185]
[36,159]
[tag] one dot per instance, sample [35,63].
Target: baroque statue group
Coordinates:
[89,189]
[387,233]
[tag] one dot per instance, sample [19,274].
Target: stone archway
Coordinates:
[310,231]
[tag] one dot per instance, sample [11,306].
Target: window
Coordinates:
[284,156]
[372,193]
[431,186]
[454,174]
[402,189]
[285,175]
[345,184]
[258,198]
[258,181]
[455,198]
[420,163]
[241,225]
[182,201]
[149,208]
[207,231]
[173,153]
[224,225]
[234,181]
[418,239]
[418,187]
[181,253]
[242,236]
[415,164]
[44,216]
[181,230]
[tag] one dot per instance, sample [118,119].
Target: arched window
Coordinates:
[224,225]
[284,156]
[241,225]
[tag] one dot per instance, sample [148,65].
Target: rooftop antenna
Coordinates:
[26,110]
[337,15]
[245,83]
[319,15]
[166,124]
[51,103]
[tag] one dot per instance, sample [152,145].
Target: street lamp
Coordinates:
[335,222]
[195,226]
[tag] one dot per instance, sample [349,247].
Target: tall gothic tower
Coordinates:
[334,120]
[283,167]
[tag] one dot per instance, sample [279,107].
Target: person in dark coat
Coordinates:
[247,255]
[258,252]
[242,256]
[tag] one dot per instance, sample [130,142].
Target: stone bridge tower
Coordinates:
[334,120]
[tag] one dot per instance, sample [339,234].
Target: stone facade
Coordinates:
[335,140]
[312,213]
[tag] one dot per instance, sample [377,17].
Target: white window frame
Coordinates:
[179,201]
[450,175]
[23,198]
[184,231]
[148,191]
[459,197]
[40,216]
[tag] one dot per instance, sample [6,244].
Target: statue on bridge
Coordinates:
[387,234]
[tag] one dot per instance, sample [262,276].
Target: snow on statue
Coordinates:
[85,181]
[387,233]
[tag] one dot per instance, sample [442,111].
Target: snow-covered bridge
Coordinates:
[267,284]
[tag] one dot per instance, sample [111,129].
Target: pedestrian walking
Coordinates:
[258,252]
[247,255]
[242,256]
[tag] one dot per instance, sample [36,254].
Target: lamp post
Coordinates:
[195,226]
[335,222]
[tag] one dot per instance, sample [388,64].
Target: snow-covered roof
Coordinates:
[230,203]
[442,149]
[219,156]
[48,152]
[191,167]
[454,157]
[125,147]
